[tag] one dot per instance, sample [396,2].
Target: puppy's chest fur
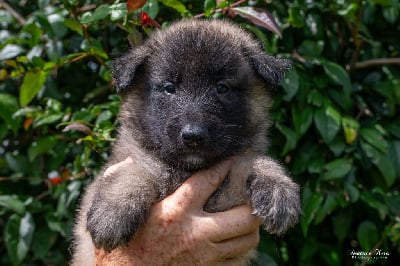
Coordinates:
[232,192]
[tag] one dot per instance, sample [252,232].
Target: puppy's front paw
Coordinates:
[112,226]
[277,204]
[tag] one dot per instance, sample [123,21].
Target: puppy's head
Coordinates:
[196,92]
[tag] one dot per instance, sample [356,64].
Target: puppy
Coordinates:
[193,95]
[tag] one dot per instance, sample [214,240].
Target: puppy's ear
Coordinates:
[125,67]
[270,68]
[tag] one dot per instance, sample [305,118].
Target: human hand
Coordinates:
[179,232]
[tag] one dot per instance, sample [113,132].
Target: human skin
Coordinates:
[179,232]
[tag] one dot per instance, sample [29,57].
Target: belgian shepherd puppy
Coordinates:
[193,95]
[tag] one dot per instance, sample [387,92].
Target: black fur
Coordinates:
[192,95]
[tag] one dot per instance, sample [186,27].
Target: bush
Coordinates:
[336,116]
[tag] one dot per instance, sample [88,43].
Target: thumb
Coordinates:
[113,168]
[195,191]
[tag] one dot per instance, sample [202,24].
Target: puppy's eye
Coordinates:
[169,88]
[222,88]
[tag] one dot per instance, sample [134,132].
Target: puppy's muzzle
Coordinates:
[194,135]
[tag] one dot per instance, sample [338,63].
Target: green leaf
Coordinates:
[290,84]
[311,48]
[57,25]
[337,169]
[328,122]
[383,161]
[330,203]
[13,203]
[103,117]
[375,199]
[175,4]
[391,14]
[315,98]
[11,238]
[43,240]
[291,138]
[341,225]
[16,162]
[311,206]
[315,166]
[394,129]
[394,155]
[100,13]
[10,51]
[47,118]
[263,38]
[94,48]
[18,234]
[43,145]
[337,146]
[118,11]
[349,10]
[296,18]
[209,6]
[341,99]
[387,168]
[151,8]
[352,192]
[374,137]
[74,25]
[367,235]
[31,85]
[8,106]
[26,230]
[55,223]
[371,151]
[302,119]
[338,75]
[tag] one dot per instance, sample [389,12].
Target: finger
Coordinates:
[195,191]
[238,246]
[232,223]
[113,168]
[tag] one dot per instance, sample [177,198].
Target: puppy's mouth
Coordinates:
[194,160]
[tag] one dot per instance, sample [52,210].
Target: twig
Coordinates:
[296,56]
[12,11]
[377,62]
[355,35]
[86,8]
[9,178]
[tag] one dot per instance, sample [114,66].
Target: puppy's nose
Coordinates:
[193,135]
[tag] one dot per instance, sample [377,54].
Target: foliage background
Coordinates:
[337,119]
